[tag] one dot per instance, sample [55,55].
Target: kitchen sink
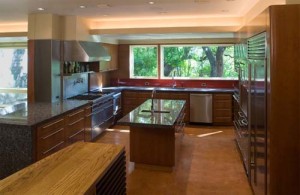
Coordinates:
[156,111]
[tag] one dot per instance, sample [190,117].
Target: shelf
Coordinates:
[71,74]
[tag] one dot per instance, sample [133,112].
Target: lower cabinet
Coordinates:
[222,109]
[132,99]
[61,132]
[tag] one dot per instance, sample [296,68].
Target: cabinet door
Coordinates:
[50,137]
[222,109]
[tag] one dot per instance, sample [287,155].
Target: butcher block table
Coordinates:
[82,168]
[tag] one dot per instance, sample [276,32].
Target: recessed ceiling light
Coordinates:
[151,2]
[82,6]
[40,9]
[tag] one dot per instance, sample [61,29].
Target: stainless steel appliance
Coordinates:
[257,113]
[117,104]
[201,108]
[102,111]
[242,135]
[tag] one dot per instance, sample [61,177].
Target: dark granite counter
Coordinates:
[165,114]
[35,113]
[176,89]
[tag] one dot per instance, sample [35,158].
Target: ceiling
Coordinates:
[132,14]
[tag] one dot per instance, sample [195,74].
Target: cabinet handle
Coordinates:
[88,115]
[76,133]
[73,114]
[76,121]
[44,127]
[52,148]
[53,133]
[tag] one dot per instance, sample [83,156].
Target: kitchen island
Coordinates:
[20,144]
[152,132]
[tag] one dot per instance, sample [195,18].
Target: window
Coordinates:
[143,61]
[183,61]
[13,62]
[13,74]
[197,61]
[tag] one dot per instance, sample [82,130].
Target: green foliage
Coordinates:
[184,61]
[145,61]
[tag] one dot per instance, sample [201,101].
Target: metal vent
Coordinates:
[257,47]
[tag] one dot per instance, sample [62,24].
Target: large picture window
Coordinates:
[143,61]
[197,61]
[183,61]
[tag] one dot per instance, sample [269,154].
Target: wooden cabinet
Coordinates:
[222,109]
[177,96]
[75,126]
[132,99]
[50,137]
[112,49]
[61,132]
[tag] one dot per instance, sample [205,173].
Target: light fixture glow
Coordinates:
[82,6]
[40,9]
[151,2]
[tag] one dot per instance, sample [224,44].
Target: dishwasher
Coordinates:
[200,108]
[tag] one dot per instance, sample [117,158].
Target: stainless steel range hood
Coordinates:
[83,51]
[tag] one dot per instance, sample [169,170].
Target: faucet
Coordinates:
[152,99]
[174,82]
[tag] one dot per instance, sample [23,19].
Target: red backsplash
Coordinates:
[179,83]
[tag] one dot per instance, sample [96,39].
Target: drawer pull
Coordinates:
[76,133]
[52,148]
[73,114]
[59,130]
[76,121]
[44,127]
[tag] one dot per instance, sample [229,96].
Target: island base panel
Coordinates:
[152,146]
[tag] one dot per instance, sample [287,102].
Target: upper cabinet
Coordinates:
[112,49]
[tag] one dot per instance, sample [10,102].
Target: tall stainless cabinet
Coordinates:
[257,46]
[274,100]
[46,63]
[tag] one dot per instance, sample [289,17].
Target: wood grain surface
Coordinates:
[73,170]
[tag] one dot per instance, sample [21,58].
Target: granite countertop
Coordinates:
[176,89]
[168,112]
[35,113]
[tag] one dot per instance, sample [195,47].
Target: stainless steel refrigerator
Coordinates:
[257,47]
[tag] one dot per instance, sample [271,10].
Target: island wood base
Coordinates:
[152,146]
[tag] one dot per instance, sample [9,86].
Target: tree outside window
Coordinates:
[195,61]
[143,62]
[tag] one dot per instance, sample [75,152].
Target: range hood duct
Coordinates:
[83,51]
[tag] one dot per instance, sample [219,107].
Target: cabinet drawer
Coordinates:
[130,101]
[51,143]
[75,116]
[224,96]
[75,127]
[221,104]
[129,94]
[223,113]
[50,128]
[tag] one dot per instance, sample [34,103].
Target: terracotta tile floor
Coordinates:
[207,162]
